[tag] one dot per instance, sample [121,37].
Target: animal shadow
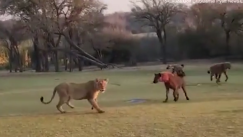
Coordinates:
[231,111]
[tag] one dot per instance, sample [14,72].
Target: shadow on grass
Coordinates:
[212,84]
[36,114]
[170,101]
[230,111]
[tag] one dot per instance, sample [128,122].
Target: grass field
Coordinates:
[213,111]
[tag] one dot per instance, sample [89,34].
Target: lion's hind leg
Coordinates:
[218,78]
[63,98]
[59,106]
[69,103]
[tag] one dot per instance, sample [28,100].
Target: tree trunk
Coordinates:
[99,54]
[65,60]
[11,59]
[46,61]
[13,52]
[15,62]
[17,59]
[84,54]
[98,51]
[42,61]
[70,33]
[74,53]
[163,49]
[70,62]
[56,61]
[37,55]
[80,64]
[227,40]
[65,63]
[21,62]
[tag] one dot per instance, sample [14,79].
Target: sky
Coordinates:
[113,6]
[125,5]
[117,5]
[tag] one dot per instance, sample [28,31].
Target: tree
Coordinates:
[231,22]
[52,19]
[201,38]
[12,32]
[84,15]
[157,14]
[230,16]
[202,15]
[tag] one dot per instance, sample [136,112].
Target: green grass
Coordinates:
[213,111]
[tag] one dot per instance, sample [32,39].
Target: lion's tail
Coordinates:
[53,95]
[208,71]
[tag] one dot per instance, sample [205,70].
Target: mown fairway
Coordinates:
[213,111]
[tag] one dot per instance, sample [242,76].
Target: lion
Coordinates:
[171,81]
[78,91]
[176,68]
[217,69]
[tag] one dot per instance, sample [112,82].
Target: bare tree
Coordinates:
[231,21]
[157,14]
[106,38]
[228,15]
[53,19]
[202,15]
[12,32]
[88,30]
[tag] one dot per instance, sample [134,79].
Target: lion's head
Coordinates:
[101,84]
[227,65]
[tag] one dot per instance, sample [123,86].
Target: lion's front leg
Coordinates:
[219,76]
[96,102]
[95,105]
[226,76]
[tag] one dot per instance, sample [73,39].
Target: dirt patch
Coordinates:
[137,101]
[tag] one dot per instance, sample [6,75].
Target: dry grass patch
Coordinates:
[198,119]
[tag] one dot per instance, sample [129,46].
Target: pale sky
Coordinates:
[117,5]
[125,5]
[113,6]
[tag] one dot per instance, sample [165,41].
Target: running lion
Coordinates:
[78,91]
[217,69]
